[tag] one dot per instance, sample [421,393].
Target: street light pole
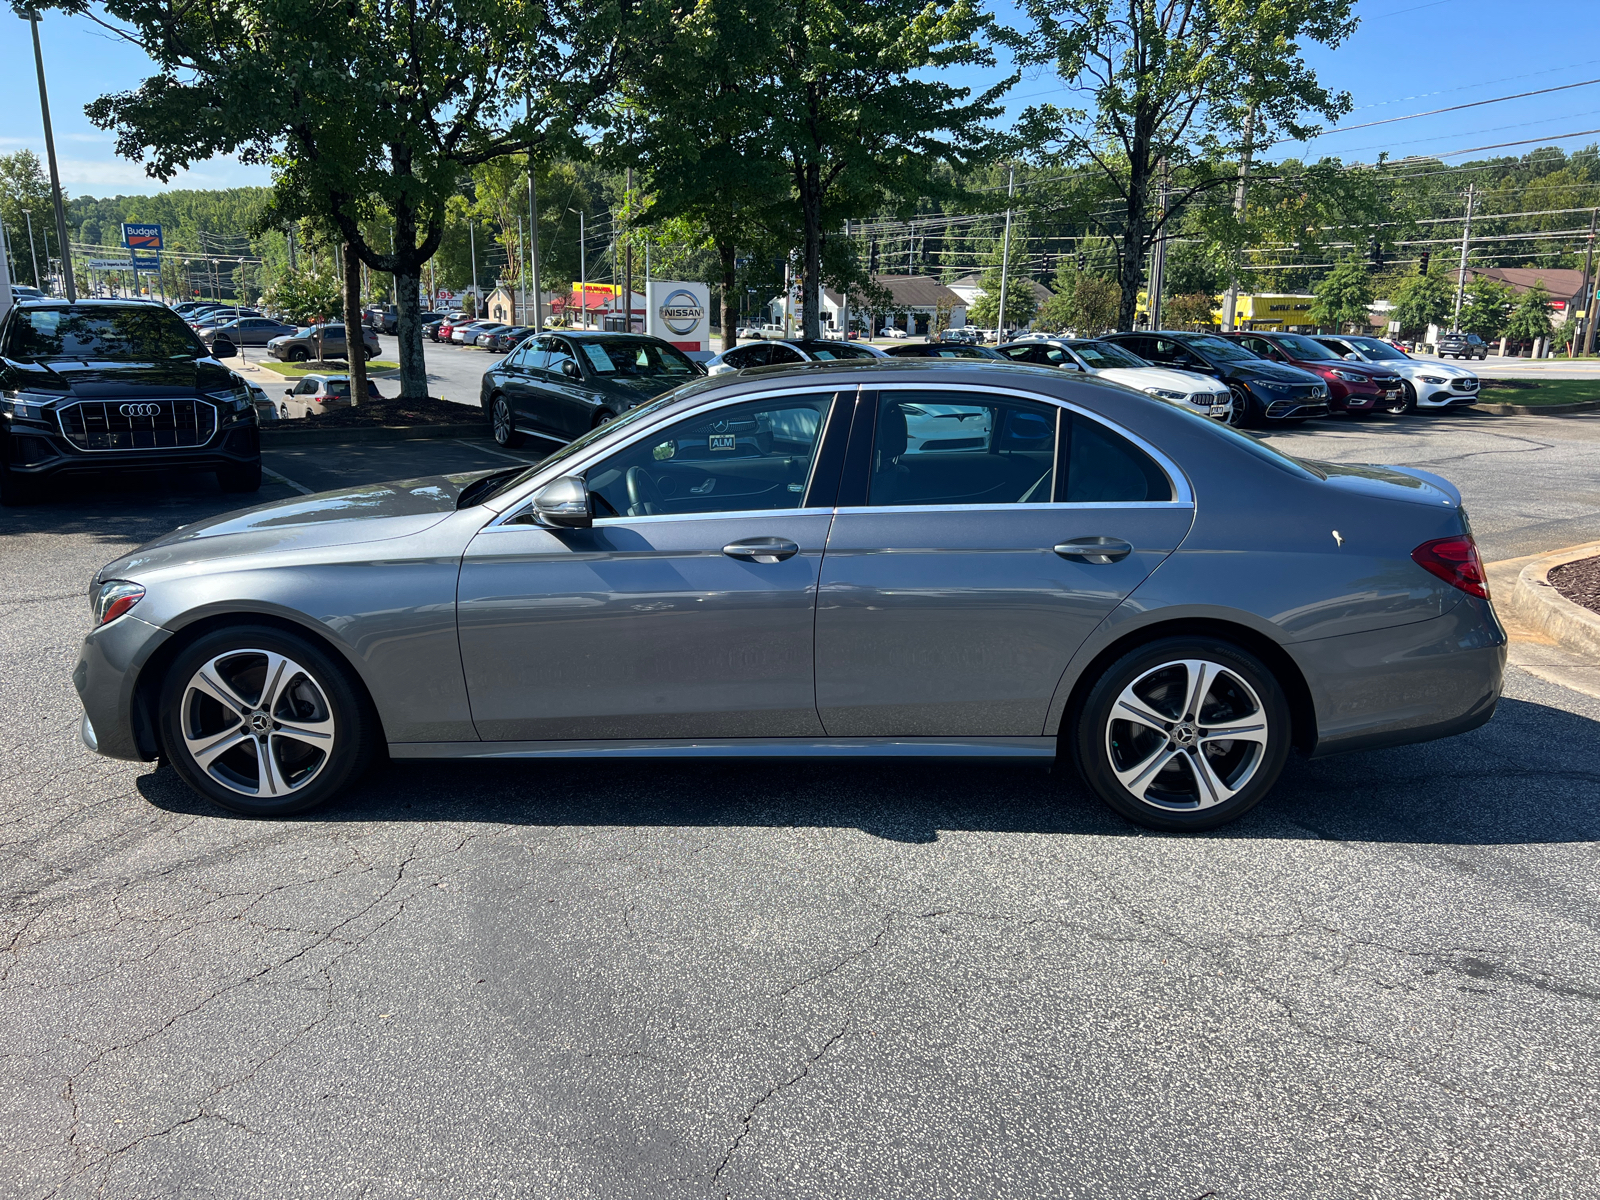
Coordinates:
[1461,271]
[1005,256]
[32,249]
[55,176]
[533,223]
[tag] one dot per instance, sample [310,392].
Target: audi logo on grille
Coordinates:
[140,410]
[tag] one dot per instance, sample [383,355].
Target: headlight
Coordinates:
[237,398]
[1270,385]
[1433,379]
[27,405]
[1166,395]
[113,598]
[1348,376]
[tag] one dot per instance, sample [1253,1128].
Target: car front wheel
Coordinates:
[299,354]
[1240,417]
[503,423]
[263,722]
[1183,734]
[1404,403]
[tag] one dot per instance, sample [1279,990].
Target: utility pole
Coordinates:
[533,226]
[583,270]
[627,286]
[521,244]
[1588,293]
[55,176]
[32,249]
[1230,301]
[292,265]
[1158,264]
[1005,253]
[472,245]
[844,300]
[1461,272]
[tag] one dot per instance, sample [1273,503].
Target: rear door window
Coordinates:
[939,448]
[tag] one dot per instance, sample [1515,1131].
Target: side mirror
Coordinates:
[570,369]
[565,504]
[288,391]
[224,350]
[1353,357]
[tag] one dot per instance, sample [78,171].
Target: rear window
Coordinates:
[131,334]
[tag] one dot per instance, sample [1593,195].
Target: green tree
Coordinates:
[1344,296]
[1168,82]
[378,109]
[1422,300]
[1192,310]
[855,106]
[304,296]
[24,186]
[1021,301]
[1486,307]
[1530,318]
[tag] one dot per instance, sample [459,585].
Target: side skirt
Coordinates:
[1024,748]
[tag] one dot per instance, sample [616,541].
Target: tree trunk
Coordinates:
[811,274]
[407,262]
[355,342]
[1131,268]
[730,314]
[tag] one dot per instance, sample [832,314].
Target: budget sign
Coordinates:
[141,237]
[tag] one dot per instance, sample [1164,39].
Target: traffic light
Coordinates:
[1377,253]
[1422,263]
[872,257]
[1083,261]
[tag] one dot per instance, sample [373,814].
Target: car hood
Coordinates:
[1279,372]
[370,513]
[93,380]
[1141,378]
[1415,367]
[1392,483]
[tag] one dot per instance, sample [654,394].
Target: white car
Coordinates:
[767,353]
[1203,393]
[1428,384]
[889,331]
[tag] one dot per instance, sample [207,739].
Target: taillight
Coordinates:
[1454,560]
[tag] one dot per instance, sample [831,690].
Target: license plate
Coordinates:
[722,441]
[1219,410]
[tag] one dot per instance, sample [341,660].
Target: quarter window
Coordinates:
[742,458]
[1103,467]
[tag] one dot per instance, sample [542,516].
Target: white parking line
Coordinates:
[286,481]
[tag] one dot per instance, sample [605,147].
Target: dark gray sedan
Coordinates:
[561,385]
[896,559]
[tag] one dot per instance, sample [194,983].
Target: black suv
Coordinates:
[1462,345]
[108,385]
[1263,392]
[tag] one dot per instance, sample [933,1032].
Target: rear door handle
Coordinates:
[762,549]
[1096,550]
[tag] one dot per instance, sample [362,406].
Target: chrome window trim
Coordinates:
[583,462]
[886,509]
[1182,493]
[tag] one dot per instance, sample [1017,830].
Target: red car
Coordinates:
[1352,387]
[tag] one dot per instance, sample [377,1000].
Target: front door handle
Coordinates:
[1096,550]
[762,549]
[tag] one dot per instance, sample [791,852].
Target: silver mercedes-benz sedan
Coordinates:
[895,558]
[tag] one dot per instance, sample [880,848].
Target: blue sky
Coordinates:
[1407,57]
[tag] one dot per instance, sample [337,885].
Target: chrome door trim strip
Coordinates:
[503,526]
[1024,748]
[1182,492]
[884,509]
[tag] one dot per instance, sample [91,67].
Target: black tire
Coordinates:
[244,478]
[317,692]
[283,412]
[299,354]
[1407,402]
[1176,797]
[1244,413]
[16,490]
[603,417]
[503,423]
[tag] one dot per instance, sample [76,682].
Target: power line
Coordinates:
[1435,112]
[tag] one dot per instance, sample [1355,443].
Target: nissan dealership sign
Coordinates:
[679,313]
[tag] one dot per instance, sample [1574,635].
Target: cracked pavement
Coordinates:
[848,980]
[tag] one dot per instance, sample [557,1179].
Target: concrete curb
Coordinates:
[282,439]
[1538,410]
[1535,603]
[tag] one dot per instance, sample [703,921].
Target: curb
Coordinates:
[1538,410]
[1534,601]
[283,438]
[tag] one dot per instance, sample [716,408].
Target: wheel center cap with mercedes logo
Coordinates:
[260,722]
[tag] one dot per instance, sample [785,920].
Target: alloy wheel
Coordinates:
[1186,735]
[257,723]
[500,413]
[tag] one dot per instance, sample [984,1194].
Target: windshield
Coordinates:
[622,357]
[1222,350]
[103,335]
[1104,355]
[1378,351]
[1305,349]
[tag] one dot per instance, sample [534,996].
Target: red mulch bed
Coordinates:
[431,411]
[1579,582]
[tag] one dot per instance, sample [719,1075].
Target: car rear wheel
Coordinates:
[244,478]
[603,418]
[1183,734]
[263,722]
[504,426]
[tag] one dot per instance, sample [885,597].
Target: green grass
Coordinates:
[335,366]
[1544,391]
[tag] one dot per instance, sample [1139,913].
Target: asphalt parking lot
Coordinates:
[708,980]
